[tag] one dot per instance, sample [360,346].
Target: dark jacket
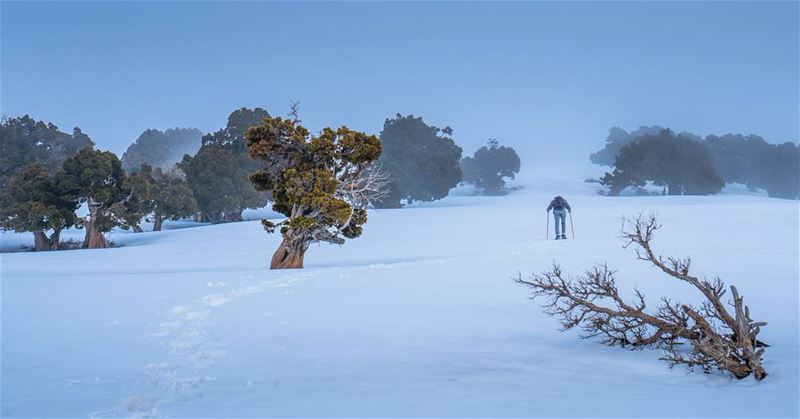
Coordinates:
[558,203]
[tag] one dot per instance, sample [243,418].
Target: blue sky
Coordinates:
[548,78]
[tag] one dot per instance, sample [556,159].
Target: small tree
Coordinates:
[322,184]
[718,338]
[97,178]
[488,166]
[172,197]
[422,161]
[34,202]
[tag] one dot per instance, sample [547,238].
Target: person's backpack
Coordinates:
[559,203]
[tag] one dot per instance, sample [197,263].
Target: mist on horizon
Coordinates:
[548,79]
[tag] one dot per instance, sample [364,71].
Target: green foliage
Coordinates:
[218,173]
[24,140]
[172,197]
[422,161]
[680,163]
[138,188]
[34,200]
[97,179]
[488,166]
[161,149]
[309,176]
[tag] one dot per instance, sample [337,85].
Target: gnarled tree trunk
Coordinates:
[233,216]
[44,243]
[94,238]
[215,217]
[158,222]
[289,255]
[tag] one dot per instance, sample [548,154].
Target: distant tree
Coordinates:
[422,161]
[751,161]
[783,173]
[732,158]
[97,178]
[322,184]
[681,164]
[218,173]
[747,160]
[161,149]
[172,197]
[24,140]
[33,201]
[488,166]
[618,138]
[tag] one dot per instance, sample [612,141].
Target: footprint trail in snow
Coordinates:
[189,349]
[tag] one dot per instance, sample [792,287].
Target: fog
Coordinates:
[548,79]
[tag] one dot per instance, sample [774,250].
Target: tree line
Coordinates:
[46,175]
[688,164]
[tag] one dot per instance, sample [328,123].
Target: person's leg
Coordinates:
[563,224]
[555,224]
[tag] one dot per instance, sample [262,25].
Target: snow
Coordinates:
[418,317]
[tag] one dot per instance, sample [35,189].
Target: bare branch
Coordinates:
[592,302]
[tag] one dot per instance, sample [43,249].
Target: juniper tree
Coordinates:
[488,166]
[422,161]
[218,173]
[172,197]
[97,178]
[322,184]
[721,336]
[139,191]
[33,201]
[161,148]
[618,138]
[681,163]
[751,161]
[24,140]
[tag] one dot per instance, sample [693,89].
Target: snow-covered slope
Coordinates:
[418,317]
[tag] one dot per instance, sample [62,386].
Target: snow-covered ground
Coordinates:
[418,317]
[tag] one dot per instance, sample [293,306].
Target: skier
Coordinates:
[560,206]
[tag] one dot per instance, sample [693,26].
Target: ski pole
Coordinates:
[571,225]
[547,230]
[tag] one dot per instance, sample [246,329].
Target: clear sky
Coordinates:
[548,78]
